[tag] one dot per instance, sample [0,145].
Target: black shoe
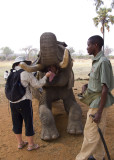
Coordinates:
[91,158]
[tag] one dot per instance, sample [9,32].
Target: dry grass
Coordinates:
[4,65]
[81,68]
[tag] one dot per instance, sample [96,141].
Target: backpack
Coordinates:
[14,90]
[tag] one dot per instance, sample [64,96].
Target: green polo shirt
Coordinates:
[101,73]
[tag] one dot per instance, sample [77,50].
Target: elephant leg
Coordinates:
[49,130]
[75,117]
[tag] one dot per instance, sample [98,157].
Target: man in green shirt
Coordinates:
[96,94]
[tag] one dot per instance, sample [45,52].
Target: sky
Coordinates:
[22,22]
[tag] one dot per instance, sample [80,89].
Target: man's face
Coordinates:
[91,48]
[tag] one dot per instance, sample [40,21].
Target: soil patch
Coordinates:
[66,147]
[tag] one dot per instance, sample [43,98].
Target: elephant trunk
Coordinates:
[39,67]
[48,49]
[30,68]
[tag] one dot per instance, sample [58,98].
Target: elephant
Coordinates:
[55,57]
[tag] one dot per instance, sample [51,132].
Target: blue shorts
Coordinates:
[22,111]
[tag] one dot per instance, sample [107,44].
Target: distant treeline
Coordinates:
[89,57]
[9,57]
[33,57]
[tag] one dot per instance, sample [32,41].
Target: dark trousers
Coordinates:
[22,111]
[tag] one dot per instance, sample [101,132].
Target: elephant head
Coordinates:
[51,53]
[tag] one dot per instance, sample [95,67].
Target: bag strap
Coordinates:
[20,70]
[14,70]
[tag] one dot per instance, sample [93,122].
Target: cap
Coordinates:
[21,59]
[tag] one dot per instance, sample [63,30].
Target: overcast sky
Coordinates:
[23,21]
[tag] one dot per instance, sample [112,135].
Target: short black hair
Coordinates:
[15,64]
[97,40]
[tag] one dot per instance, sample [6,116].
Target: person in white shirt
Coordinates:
[22,109]
[6,74]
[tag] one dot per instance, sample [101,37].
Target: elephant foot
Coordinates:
[48,134]
[75,128]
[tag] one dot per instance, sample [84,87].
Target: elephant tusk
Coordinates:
[30,68]
[65,61]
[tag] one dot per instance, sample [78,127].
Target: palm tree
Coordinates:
[98,3]
[104,18]
[112,4]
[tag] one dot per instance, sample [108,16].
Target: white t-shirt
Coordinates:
[28,80]
[6,74]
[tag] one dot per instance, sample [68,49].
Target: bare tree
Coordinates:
[108,51]
[29,50]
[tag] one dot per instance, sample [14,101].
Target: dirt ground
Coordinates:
[66,147]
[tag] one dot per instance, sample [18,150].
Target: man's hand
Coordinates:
[96,117]
[48,74]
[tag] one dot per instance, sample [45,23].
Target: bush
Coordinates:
[2,57]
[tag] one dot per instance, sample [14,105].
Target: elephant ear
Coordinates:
[62,43]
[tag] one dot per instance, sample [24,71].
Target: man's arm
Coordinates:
[104,94]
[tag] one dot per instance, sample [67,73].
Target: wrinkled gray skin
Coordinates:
[51,53]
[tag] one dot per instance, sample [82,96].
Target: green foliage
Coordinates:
[80,56]
[6,51]
[103,18]
[98,3]
[32,56]
[112,4]
[111,57]
[2,57]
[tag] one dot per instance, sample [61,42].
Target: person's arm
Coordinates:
[105,74]
[28,78]
[104,94]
